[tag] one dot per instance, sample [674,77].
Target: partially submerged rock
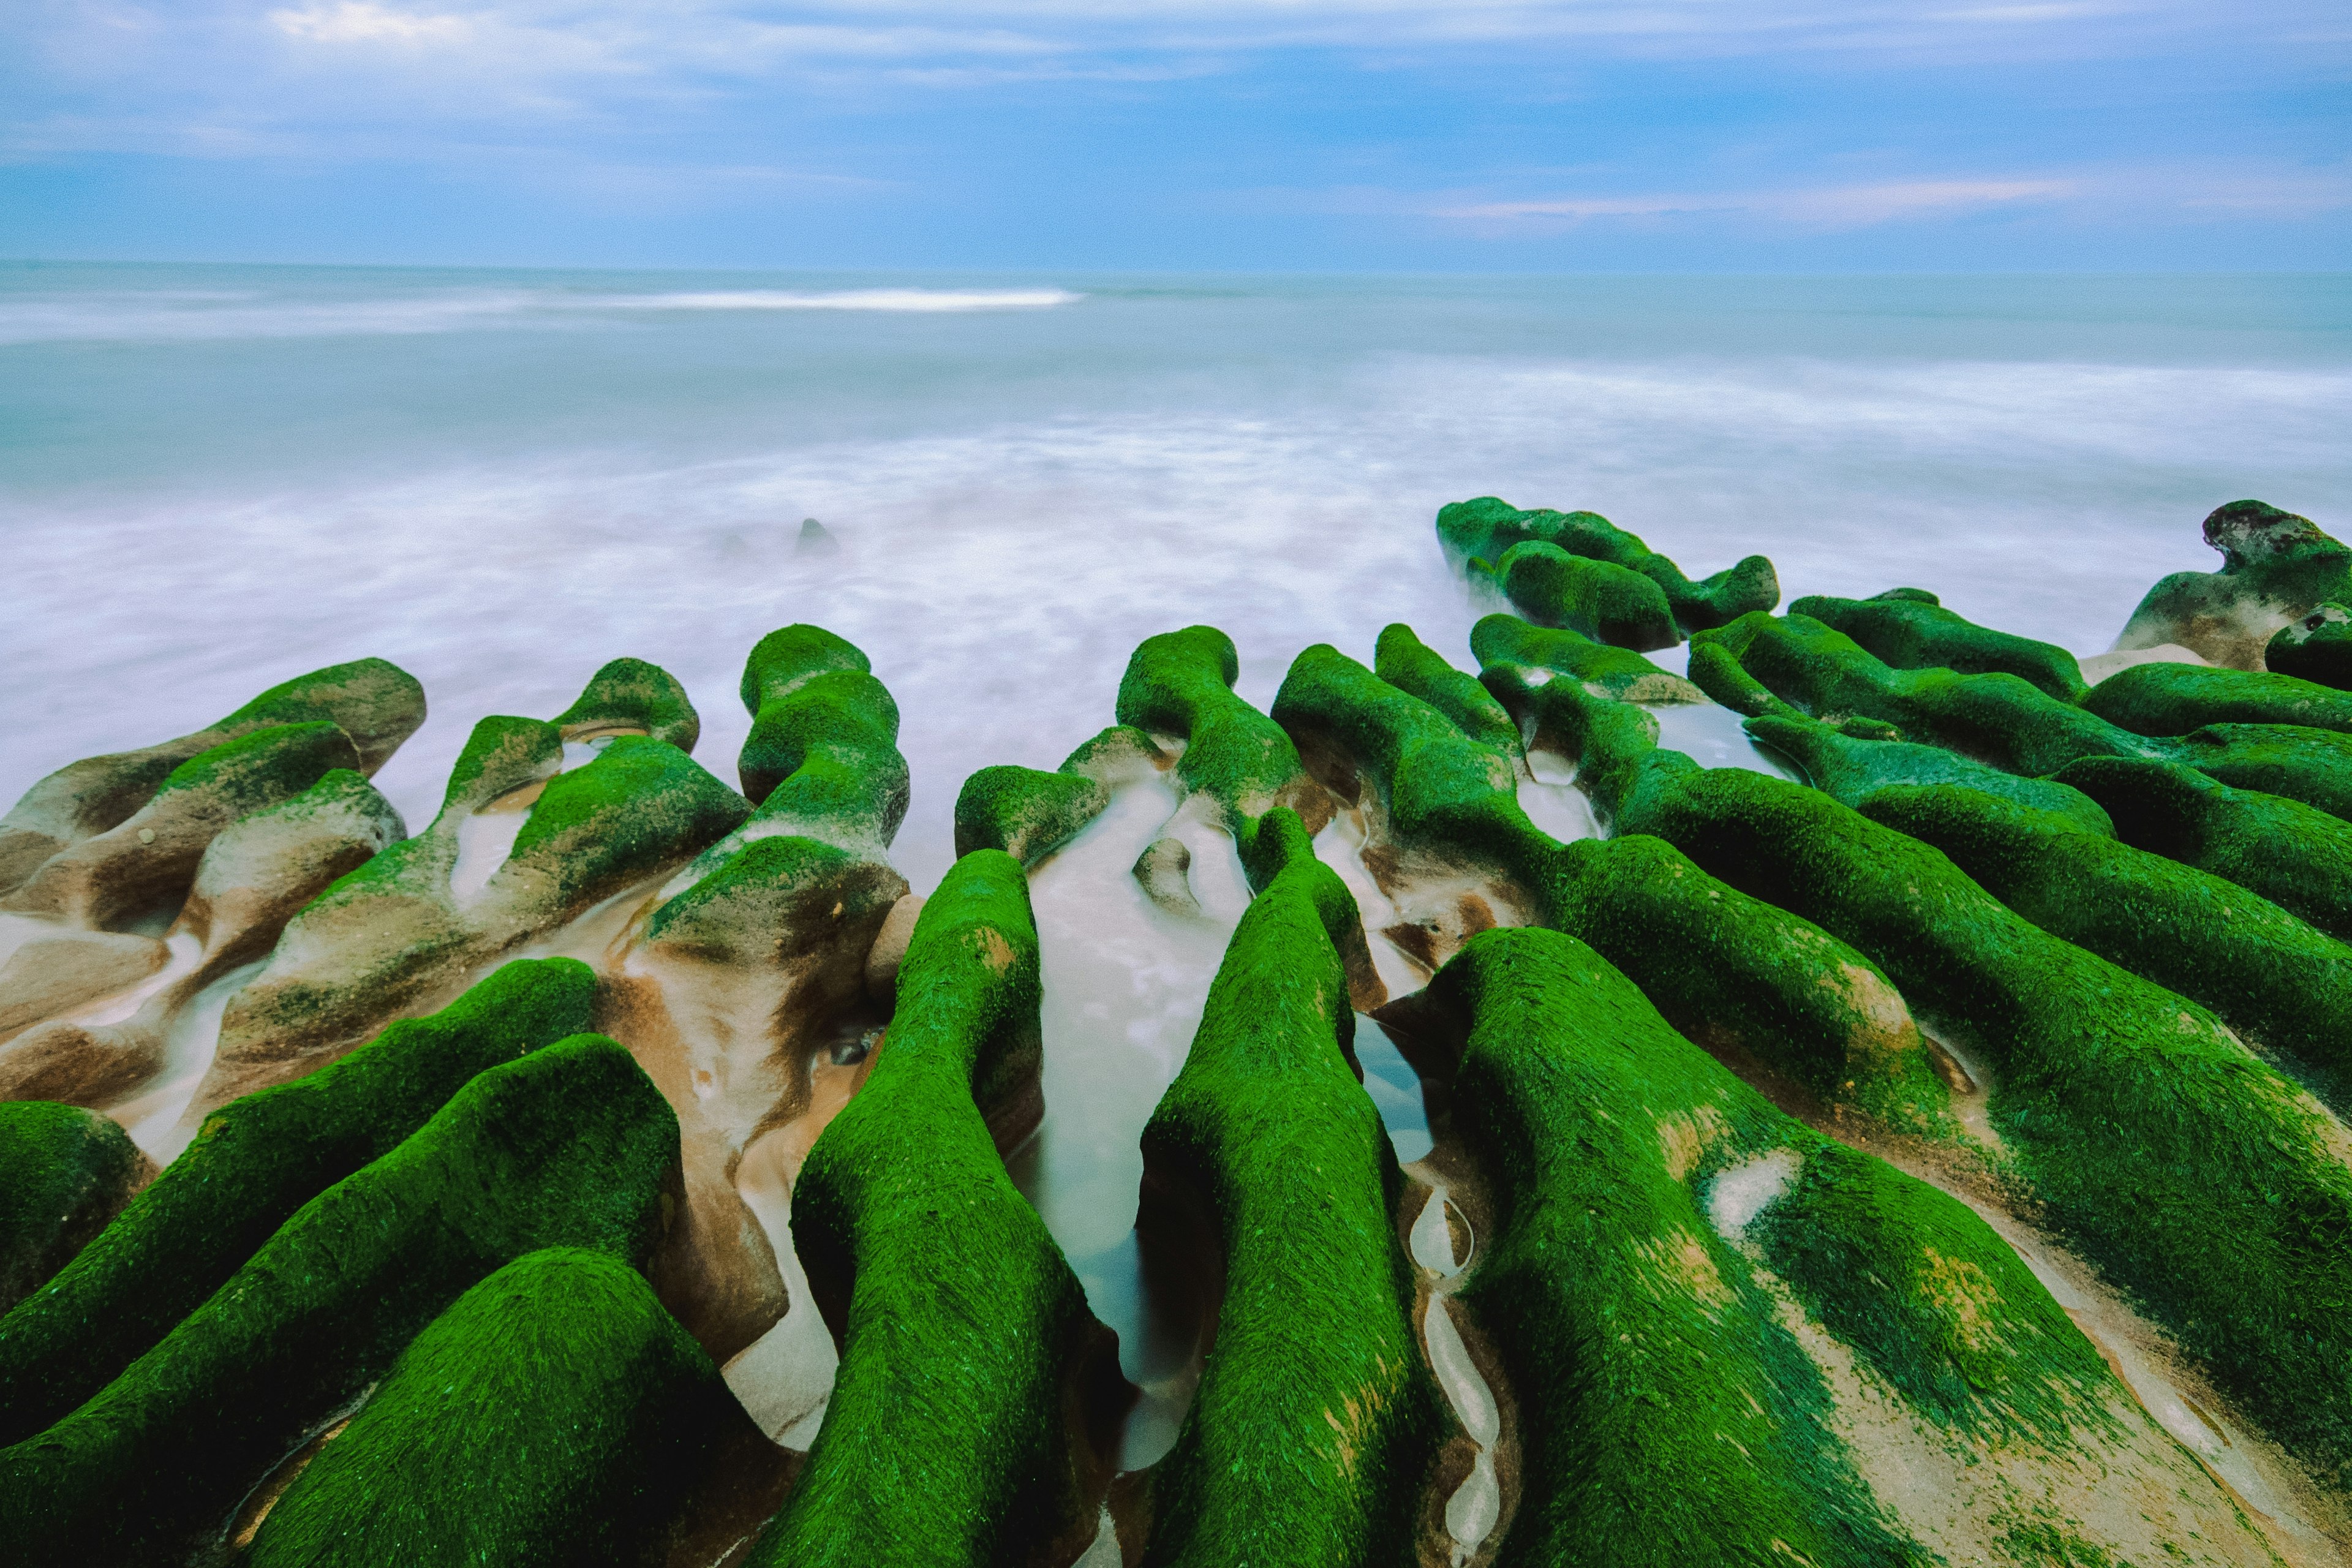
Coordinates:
[2276,568]
[1487,528]
[1598,599]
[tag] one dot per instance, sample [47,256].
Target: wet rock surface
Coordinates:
[1920,1137]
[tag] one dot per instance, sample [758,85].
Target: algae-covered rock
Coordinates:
[1181,683]
[1855,770]
[377,705]
[957,1433]
[1405,662]
[1599,599]
[628,696]
[1029,813]
[1500,639]
[823,759]
[2276,567]
[2297,856]
[555,1414]
[2317,648]
[1715,1320]
[64,1172]
[1910,630]
[1487,528]
[2174,699]
[567,1146]
[1315,1424]
[2280,985]
[253,1164]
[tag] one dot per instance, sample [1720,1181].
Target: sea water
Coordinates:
[214,478]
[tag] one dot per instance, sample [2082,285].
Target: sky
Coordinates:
[1307,135]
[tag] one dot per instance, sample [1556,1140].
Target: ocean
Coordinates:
[214,478]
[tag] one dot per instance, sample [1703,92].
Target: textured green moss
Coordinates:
[1910,630]
[630,693]
[1997,718]
[375,702]
[1181,683]
[2174,699]
[1500,639]
[252,1164]
[948,1439]
[1029,814]
[785,659]
[1315,1423]
[1600,599]
[1666,1414]
[1485,528]
[2297,856]
[2279,984]
[501,754]
[1854,770]
[568,1146]
[64,1172]
[261,768]
[2276,567]
[774,900]
[554,1415]
[2316,647]
[1406,663]
[640,806]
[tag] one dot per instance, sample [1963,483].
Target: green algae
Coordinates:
[1315,1423]
[949,1438]
[1726,967]
[775,899]
[1600,599]
[2297,856]
[629,693]
[785,658]
[252,1164]
[1181,683]
[64,1174]
[2276,567]
[1029,813]
[1485,529]
[639,807]
[2174,699]
[1418,670]
[2317,648]
[555,1414]
[2272,979]
[1668,1413]
[1501,639]
[1909,629]
[570,1145]
[1854,770]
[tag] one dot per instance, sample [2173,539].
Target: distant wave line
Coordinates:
[925,299]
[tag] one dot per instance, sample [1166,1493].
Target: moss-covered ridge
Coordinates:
[1599,599]
[2175,699]
[1487,528]
[2297,856]
[1910,629]
[1029,813]
[2276,568]
[570,1145]
[252,1166]
[64,1172]
[2199,1181]
[1853,769]
[1761,664]
[376,704]
[1728,966]
[1668,1415]
[952,1436]
[630,694]
[553,1415]
[1181,683]
[2316,647]
[822,759]
[1413,667]
[1501,639]
[1315,1423]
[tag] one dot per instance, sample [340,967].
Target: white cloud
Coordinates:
[360,22]
[1834,207]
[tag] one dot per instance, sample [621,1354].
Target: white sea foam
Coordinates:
[919,301]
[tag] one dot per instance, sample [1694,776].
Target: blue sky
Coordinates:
[1076,134]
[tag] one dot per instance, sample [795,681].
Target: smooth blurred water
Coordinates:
[212,478]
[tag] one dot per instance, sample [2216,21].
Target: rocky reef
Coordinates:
[1919,1137]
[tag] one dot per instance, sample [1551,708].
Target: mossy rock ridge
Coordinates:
[1029,813]
[1181,683]
[1726,966]
[1854,770]
[1413,667]
[2174,699]
[555,1414]
[1657,1227]
[571,1145]
[955,1431]
[1910,630]
[2297,856]
[630,694]
[2276,567]
[1487,528]
[252,1166]
[2280,985]
[2317,648]
[64,1174]
[377,704]
[1598,599]
[1315,1425]
[1501,639]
